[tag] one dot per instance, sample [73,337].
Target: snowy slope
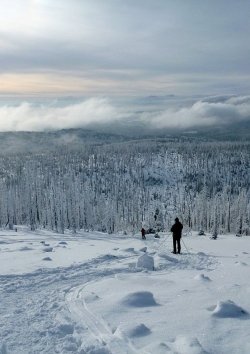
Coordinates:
[85,294]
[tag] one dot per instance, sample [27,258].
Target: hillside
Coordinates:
[85,294]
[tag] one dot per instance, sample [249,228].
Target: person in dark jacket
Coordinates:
[176,229]
[143,233]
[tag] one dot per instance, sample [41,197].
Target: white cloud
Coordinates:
[203,113]
[95,111]
[27,117]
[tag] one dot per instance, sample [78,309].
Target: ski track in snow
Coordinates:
[38,299]
[46,311]
[40,296]
[97,327]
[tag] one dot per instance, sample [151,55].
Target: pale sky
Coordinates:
[124,47]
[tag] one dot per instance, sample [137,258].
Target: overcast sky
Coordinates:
[124,47]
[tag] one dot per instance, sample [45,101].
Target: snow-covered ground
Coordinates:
[85,293]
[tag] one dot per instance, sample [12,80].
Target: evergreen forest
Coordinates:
[121,186]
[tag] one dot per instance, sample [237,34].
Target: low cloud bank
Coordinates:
[207,112]
[29,117]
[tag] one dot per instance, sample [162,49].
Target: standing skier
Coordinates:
[143,233]
[176,229]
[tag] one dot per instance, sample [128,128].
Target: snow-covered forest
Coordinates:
[122,186]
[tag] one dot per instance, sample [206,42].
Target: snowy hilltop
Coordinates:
[93,293]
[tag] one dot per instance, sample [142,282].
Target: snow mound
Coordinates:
[139,299]
[132,331]
[47,249]
[228,309]
[202,277]
[47,259]
[145,261]
[187,345]
[139,331]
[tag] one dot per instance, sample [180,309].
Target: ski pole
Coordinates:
[163,244]
[184,245]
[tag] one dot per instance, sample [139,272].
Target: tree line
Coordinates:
[120,187]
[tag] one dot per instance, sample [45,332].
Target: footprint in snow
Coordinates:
[201,254]
[92,297]
[241,264]
[25,248]
[188,345]
[159,348]
[168,258]
[65,329]
[130,249]
[202,277]
[44,243]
